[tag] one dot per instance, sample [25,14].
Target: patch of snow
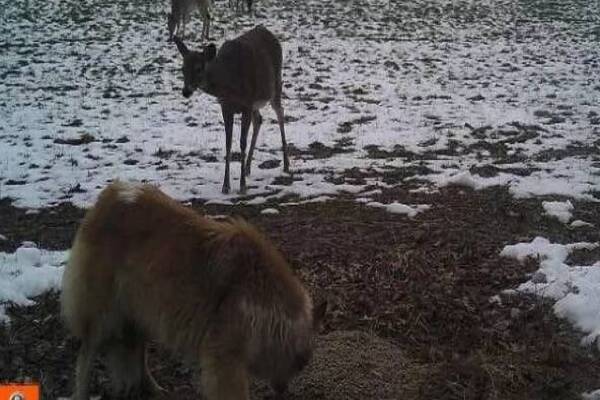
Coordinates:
[567,177]
[28,255]
[2,237]
[559,209]
[399,208]
[217,216]
[257,200]
[595,395]
[563,182]
[28,272]
[542,248]
[424,189]
[318,199]
[467,179]
[371,192]
[576,289]
[219,202]
[579,224]
[269,211]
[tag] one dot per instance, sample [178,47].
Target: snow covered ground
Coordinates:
[576,289]
[28,272]
[505,91]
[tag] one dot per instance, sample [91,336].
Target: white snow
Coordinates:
[28,272]
[559,209]
[120,91]
[28,256]
[318,199]
[564,180]
[576,289]
[219,202]
[595,395]
[257,200]
[579,224]
[269,211]
[423,189]
[399,208]
[470,180]
[542,248]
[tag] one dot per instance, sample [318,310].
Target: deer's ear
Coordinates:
[210,51]
[319,315]
[180,46]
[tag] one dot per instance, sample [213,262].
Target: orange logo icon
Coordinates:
[29,391]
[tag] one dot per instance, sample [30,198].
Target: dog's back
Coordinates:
[215,290]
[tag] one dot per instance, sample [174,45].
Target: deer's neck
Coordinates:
[228,90]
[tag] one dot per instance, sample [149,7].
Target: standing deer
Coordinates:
[238,5]
[244,75]
[180,14]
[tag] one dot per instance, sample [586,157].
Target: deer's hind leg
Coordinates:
[256,123]
[228,121]
[205,28]
[206,24]
[246,118]
[181,27]
[276,104]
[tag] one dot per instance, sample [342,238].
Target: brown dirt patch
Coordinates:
[349,365]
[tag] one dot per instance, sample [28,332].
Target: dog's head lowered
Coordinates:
[194,66]
[302,351]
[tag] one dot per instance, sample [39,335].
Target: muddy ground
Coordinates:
[410,313]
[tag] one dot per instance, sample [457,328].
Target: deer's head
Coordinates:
[194,66]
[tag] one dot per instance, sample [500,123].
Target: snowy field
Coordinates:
[487,92]
[447,92]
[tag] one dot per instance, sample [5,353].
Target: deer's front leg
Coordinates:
[228,121]
[246,118]
[207,23]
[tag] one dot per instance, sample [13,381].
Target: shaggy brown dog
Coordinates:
[144,267]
